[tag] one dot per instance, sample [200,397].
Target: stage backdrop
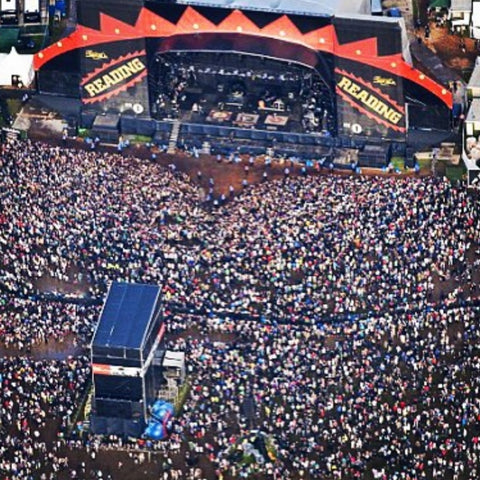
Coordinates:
[370,73]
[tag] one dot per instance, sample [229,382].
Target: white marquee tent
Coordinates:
[12,64]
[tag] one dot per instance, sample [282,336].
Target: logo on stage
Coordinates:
[369,100]
[114,77]
[96,55]
[384,81]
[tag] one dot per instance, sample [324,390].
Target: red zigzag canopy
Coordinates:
[192,22]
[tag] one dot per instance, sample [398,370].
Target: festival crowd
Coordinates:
[292,249]
[332,313]
[386,397]
[33,394]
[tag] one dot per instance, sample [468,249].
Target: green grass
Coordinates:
[425,163]
[8,38]
[398,163]
[415,9]
[14,106]
[183,392]
[84,132]
[79,413]
[138,138]
[37,39]
[455,172]
[57,29]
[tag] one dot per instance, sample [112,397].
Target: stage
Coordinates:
[236,90]
[218,76]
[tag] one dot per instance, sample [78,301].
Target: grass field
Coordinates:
[455,172]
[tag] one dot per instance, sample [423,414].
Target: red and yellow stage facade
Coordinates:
[107,59]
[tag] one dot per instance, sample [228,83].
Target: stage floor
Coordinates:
[241,112]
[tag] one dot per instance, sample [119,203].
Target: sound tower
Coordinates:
[125,378]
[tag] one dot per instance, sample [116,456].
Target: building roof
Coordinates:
[299,7]
[126,315]
[473,114]
[174,359]
[474,81]
[461,5]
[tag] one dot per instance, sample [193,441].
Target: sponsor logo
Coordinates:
[368,99]
[356,128]
[115,370]
[96,55]
[113,77]
[383,81]
[136,107]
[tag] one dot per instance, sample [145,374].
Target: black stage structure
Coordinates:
[300,77]
[125,376]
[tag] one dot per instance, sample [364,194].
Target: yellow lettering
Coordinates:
[344,83]
[354,89]
[116,75]
[362,96]
[100,86]
[383,109]
[126,71]
[90,88]
[137,64]
[108,80]
[394,117]
[372,102]
[369,100]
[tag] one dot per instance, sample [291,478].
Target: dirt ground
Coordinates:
[224,173]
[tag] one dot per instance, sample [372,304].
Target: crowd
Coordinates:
[334,245]
[33,394]
[332,313]
[28,323]
[388,397]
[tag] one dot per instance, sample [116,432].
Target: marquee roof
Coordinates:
[14,63]
[299,7]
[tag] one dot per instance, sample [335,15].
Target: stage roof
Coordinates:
[126,315]
[298,7]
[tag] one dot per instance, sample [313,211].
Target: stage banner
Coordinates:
[369,101]
[114,77]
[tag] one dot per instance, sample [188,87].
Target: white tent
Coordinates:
[15,64]
[174,364]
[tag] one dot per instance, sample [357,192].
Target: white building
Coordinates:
[475,22]
[460,15]
[471,132]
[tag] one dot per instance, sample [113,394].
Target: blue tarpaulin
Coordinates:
[394,12]
[162,413]
[155,431]
[162,410]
